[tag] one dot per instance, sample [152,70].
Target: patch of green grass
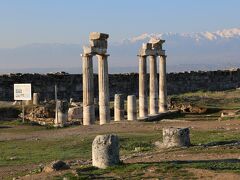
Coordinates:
[36,151]
[44,150]
[229,99]
[11,122]
[133,171]
[203,137]
[138,142]
[16,152]
[219,166]
[169,170]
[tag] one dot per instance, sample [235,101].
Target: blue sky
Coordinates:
[70,21]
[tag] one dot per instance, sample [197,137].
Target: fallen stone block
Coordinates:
[105,151]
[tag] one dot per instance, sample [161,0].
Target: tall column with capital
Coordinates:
[143,103]
[103,83]
[88,93]
[153,86]
[162,84]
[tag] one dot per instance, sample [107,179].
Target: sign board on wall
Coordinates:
[22,92]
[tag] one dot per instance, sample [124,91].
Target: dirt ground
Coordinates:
[10,133]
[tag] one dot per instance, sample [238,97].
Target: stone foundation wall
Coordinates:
[70,86]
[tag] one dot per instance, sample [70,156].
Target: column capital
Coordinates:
[103,55]
[163,55]
[139,55]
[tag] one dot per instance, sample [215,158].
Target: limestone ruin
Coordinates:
[176,137]
[61,116]
[118,107]
[105,151]
[98,47]
[157,102]
[131,108]
[36,98]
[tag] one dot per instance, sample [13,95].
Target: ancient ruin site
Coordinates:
[102,123]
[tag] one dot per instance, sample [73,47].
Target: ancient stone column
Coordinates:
[162,85]
[36,97]
[153,86]
[118,107]
[88,90]
[103,86]
[176,137]
[61,113]
[143,103]
[131,108]
[105,151]
[28,102]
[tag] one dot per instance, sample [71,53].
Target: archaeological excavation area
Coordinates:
[148,125]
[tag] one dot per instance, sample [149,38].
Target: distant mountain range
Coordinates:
[186,51]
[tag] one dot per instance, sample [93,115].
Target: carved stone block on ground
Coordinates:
[75,113]
[176,137]
[61,113]
[105,151]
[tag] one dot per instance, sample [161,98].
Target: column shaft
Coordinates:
[131,108]
[103,85]
[153,86]
[118,107]
[162,85]
[88,93]
[143,104]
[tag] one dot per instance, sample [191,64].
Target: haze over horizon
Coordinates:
[48,36]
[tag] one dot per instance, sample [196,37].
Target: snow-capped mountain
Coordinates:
[185,51]
[217,35]
[201,50]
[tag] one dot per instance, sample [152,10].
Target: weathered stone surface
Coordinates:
[146,52]
[146,46]
[88,115]
[143,100]
[153,86]
[99,43]
[177,83]
[230,113]
[176,137]
[103,89]
[56,166]
[162,85]
[36,97]
[94,50]
[156,43]
[98,35]
[118,107]
[61,113]
[159,52]
[105,151]
[75,113]
[88,91]
[28,102]
[131,108]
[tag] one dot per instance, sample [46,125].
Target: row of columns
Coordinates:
[157,104]
[119,107]
[157,100]
[88,90]
[98,47]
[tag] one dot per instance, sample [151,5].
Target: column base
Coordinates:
[104,114]
[88,115]
[163,109]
